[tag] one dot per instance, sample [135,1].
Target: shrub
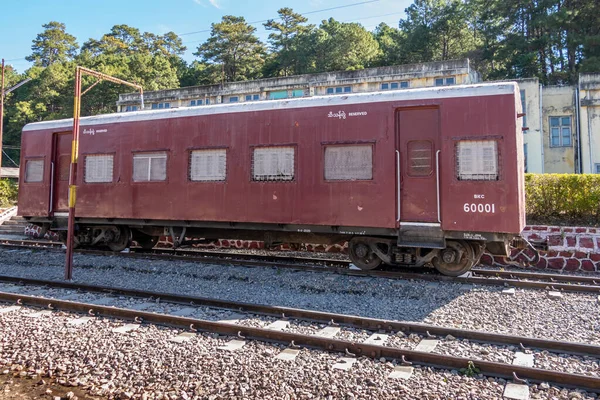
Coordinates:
[8,193]
[566,198]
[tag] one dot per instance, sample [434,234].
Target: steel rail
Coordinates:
[372,324]
[284,263]
[551,278]
[488,368]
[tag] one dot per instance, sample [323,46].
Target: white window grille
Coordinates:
[99,168]
[349,162]
[477,160]
[208,165]
[34,171]
[149,167]
[273,163]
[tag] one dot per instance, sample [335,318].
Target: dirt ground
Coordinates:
[16,388]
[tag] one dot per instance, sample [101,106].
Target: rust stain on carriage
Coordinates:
[308,199]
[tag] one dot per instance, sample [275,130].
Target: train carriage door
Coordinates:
[418,141]
[61,160]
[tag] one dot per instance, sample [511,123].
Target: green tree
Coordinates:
[339,46]
[285,41]
[54,44]
[234,49]
[390,42]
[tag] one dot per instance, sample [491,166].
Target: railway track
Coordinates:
[480,276]
[295,340]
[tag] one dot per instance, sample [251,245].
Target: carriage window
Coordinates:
[208,165]
[34,171]
[420,156]
[349,162]
[99,168]
[273,163]
[149,167]
[477,160]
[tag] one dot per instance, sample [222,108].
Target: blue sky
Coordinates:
[21,21]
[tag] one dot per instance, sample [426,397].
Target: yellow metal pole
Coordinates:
[80,71]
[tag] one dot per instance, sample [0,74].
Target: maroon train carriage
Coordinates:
[411,177]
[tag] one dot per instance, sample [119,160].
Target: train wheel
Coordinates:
[362,256]
[456,259]
[121,241]
[146,242]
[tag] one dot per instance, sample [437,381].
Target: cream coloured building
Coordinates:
[562,123]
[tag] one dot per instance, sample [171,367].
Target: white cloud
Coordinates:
[214,3]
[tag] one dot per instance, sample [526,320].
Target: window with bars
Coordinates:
[420,158]
[208,165]
[445,81]
[349,162]
[560,131]
[273,163]
[395,85]
[34,171]
[597,166]
[149,167]
[477,160]
[524,107]
[99,168]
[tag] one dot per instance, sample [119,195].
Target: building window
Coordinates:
[420,158]
[445,81]
[394,85]
[525,154]
[560,131]
[208,165]
[597,168]
[233,99]
[281,94]
[298,93]
[273,163]
[339,90]
[196,103]
[160,106]
[477,160]
[34,171]
[149,167]
[130,108]
[98,168]
[524,106]
[207,102]
[349,162]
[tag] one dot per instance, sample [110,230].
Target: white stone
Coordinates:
[184,312]
[377,339]
[6,310]
[39,314]
[278,325]
[467,274]
[103,301]
[288,355]
[401,372]
[182,337]
[516,392]
[126,328]
[141,306]
[522,359]
[328,332]
[554,295]
[80,321]
[344,363]
[510,291]
[427,345]
[233,345]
